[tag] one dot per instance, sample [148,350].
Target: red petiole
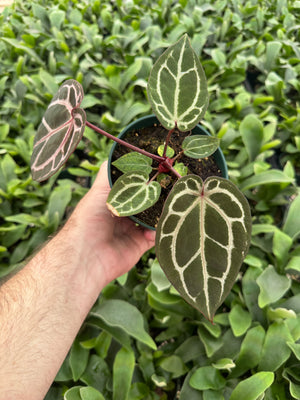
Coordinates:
[165,163]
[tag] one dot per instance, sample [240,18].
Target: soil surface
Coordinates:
[150,139]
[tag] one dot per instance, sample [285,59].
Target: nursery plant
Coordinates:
[204,230]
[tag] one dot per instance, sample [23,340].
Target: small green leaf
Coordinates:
[275,349]
[174,365]
[122,373]
[123,315]
[133,161]
[177,87]
[251,388]
[90,393]
[200,146]
[181,168]
[294,264]
[207,378]
[272,286]
[202,237]
[158,277]
[295,347]
[132,194]
[78,360]
[252,132]
[265,178]
[281,246]
[240,320]
[169,153]
[292,223]
[250,352]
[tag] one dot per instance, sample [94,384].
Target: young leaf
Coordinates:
[177,87]
[60,131]
[132,194]
[169,153]
[181,168]
[202,238]
[200,146]
[133,161]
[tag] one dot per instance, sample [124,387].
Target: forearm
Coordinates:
[41,311]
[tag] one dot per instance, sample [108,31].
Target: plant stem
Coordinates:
[167,141]
[128,145]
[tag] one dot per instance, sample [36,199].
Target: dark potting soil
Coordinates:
[150,139]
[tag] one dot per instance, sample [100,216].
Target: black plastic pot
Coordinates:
[151,120]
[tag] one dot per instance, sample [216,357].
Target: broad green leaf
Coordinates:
[211,343]
[294,263]
[207,378]
[265,178]
[122,373]
[177,87]
[132,193]
[158,277]
[280,313]
[59,199]
[251,388]
[73,393]
[272,286]
[281,246]
[123,315]
[60,131]
[202,238]
[169,153]
[78,360]
[240,320]
[97,374]
[292,223]
[90,393]
[200,146]
[133,161]
[174,365]
[295,347]
[275,350]
[252,132]
[224,363]
[250,352]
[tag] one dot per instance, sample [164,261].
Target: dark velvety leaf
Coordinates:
[177,87]
[60,131]
[202,238]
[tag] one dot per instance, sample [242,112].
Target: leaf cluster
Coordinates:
[250,52]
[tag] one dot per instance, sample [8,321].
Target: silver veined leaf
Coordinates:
[177,87]
[200,146]
[60,131]
[202,238]
[132,193]
[134,161]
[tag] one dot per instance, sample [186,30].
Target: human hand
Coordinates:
[110,245]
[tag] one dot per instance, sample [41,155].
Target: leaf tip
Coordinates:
[112,210]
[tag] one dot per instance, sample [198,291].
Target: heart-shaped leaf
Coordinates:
[133,161]
[177,87]
[200,146]
[60,131]
[132,193]
[202,238]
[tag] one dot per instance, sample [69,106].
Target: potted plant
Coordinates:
[203,233]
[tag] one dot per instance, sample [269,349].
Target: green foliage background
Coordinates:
[251,54]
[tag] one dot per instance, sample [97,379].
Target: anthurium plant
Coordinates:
[204,230]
